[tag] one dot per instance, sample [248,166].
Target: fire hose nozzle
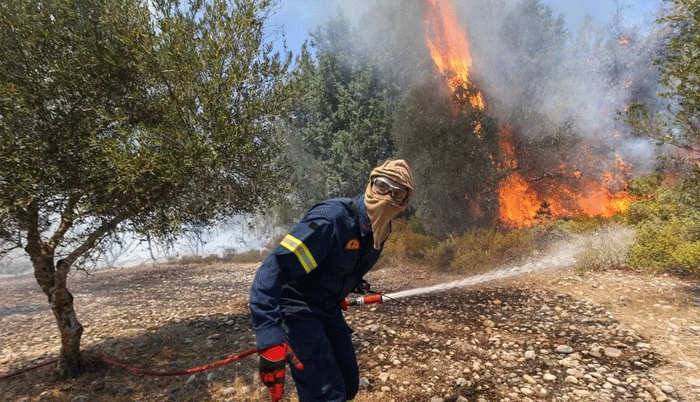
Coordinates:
[369,299]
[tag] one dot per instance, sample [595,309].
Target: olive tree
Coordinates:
[129,116]
[679,68]
[668,217]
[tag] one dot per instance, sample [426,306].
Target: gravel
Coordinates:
[495,342]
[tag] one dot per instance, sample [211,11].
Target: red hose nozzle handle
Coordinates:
[369,299]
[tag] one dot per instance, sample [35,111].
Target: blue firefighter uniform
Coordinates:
[297,291]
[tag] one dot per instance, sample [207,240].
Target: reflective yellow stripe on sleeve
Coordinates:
[296,246]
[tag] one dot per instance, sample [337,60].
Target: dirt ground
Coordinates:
[500,341]
[664,309]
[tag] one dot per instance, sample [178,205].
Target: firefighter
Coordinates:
[295,298]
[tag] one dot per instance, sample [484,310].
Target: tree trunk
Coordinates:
[70,362]
[53,282]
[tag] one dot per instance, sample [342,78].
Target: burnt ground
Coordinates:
[556,336]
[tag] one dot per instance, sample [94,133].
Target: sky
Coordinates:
[575,10]
[298,17]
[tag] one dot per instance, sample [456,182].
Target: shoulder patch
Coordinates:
[352,244]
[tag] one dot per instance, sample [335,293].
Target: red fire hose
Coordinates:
[183,372]
[369,299]
[24,370]
[137,370]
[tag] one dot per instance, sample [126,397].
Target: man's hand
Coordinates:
[361,288]
[272,368]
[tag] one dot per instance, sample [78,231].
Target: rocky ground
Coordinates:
[555,336]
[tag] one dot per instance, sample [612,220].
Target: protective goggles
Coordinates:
[383,186]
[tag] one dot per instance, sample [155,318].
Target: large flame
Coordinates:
[448,46]
[562,192]
[523,201]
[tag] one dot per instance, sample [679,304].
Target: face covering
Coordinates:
[381,209]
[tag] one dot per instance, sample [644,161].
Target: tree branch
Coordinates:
[34,245]
[92,239]
[67,219]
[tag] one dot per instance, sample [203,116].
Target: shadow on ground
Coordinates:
[178,346]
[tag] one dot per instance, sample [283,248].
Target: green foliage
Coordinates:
[680,71]
[563,227]
[686,257]
[668,223]
[664,246]
[645,186]
[116,117]
[650,210]
[405,245]
[451,147]
[341,119]
[605,246]
[679,67]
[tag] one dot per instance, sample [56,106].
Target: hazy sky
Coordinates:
[298,17]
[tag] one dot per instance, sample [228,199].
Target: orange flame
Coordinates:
[518,202]
[524,204]
[505,145]
[448,46]
[523,201]
[564,192]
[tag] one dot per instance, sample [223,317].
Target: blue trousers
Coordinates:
[324,345]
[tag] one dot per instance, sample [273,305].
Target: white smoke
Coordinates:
[604,62]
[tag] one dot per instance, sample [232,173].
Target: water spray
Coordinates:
[563,258]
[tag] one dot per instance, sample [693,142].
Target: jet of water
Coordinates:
[565,257]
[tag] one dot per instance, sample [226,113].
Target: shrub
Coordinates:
[565,227]
[649,210]
[606,249]
[190,259]
[444,254]
[686,257]
[662,245]
[250,256]
[405,244]
[211,258]
[483,249]
[645,186]
[668,223]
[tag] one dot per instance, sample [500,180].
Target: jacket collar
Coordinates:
[365,225]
